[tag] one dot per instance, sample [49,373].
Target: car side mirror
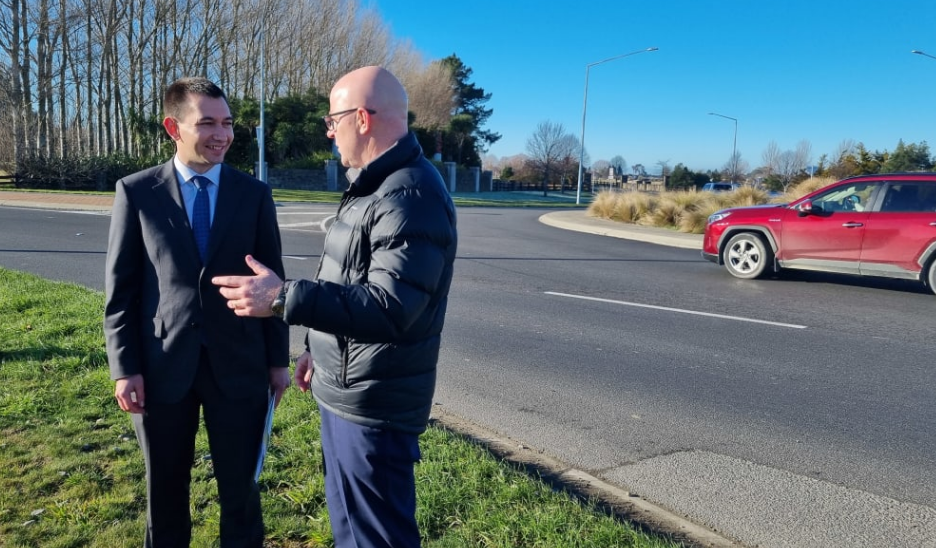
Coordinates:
[805,208]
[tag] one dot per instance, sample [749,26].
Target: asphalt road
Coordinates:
[781,412]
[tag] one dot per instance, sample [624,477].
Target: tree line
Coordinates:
[82,80]
[552,157]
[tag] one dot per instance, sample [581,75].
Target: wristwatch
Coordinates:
[278,307]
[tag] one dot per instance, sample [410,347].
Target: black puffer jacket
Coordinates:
[377,305]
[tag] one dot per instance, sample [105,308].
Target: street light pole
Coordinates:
[578,193]
[923,53]
[734,145]
[261,129]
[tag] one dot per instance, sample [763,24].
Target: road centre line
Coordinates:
[679,310]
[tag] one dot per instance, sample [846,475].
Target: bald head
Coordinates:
[379,90]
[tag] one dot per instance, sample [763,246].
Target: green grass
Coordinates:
[461,199]
[71,474]
[323,196]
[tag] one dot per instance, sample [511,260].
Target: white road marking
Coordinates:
[679,310]
[300,225]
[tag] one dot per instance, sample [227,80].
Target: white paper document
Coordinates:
[267,429]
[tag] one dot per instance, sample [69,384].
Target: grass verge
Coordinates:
[71,474]
[461,199]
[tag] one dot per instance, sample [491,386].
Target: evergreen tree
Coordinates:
[471,101]
[912,157]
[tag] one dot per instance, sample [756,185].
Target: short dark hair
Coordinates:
[175,99]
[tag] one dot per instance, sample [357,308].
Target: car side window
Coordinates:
[909,198]
[853,197]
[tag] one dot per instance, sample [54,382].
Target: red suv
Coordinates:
[872,225]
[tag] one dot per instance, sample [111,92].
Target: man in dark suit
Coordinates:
[173,345]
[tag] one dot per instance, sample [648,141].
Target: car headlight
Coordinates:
[717,216]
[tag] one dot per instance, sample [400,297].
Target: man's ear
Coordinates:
[364,123]
[172,128]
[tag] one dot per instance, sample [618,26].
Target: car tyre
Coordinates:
[747,255]
[931,276]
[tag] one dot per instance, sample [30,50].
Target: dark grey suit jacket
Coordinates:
[161,306]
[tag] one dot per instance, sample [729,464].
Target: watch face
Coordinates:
[278,307]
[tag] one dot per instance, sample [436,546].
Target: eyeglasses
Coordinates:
[332,123]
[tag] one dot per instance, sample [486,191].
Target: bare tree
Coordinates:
[787,165]
[803,154]
[87,76]
[846,148]
[568,161]
[771,157]
[432,99]
[547,147]
[735,167]
[601,168]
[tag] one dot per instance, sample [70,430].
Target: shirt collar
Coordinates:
[186,173]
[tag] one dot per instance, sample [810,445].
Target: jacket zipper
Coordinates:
[344,365]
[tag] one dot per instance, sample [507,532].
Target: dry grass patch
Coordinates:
[809,185]
[685,210]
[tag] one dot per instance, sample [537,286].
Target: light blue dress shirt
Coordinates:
[184,175]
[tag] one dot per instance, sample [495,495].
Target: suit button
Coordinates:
[193,324]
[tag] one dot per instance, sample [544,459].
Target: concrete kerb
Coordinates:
[613,499]
[579,221]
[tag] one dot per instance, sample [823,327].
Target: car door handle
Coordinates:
[852,225]
[933,224]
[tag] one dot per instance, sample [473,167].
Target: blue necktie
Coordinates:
[201,215]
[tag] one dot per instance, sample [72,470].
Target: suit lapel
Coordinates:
[171,202]
[230,193]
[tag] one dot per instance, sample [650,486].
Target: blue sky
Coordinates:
[792,70]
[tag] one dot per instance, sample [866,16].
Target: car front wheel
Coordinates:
[931,276]
[746,256]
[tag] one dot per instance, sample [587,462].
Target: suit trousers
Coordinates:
[370,485]
[166,434]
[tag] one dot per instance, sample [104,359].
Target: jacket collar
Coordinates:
[366,180]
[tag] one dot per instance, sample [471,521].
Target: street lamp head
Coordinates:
[923,53]
[578,192]
[734,145]
[722,116]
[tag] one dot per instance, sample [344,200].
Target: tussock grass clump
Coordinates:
[603,205]
[693,222]
[748,196]
[805,187]
[71,473]
[667,213]
[687,210]
[625,207]
[684,211]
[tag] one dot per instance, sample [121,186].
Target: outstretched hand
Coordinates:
[250,295]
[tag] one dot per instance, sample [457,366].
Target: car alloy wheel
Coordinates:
[746,256]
